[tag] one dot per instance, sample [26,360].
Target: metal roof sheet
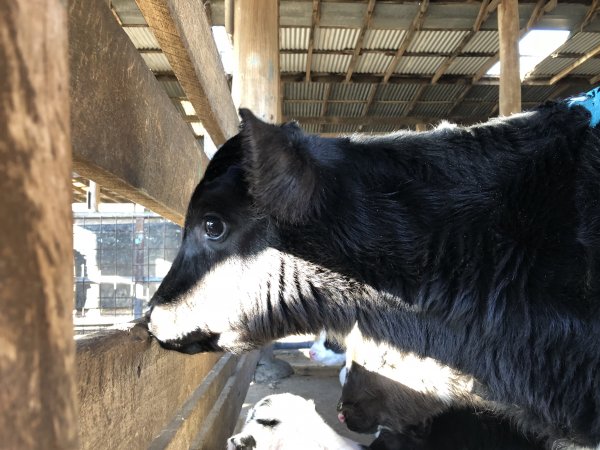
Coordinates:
[483,93]
[173,88]
[339,128]
[294,38]
[343,14]
[303,91]
[451,16]
[301,109]
[128,12]
[483,42]
[436,41]
[564,16]
[295,13]
[393,16]
[292,62]
[350,91]
[469,109]
[345,109]
[376,63]
[312,128]
[581,43]
[551,66]
[402,91]
[439,110]
[590,67]
[466,65]
[377,129]
[383,39]
[420,65]
[335,38]
[330,63]
[142,38]
[380,109]
[536,94]
[157,62]
[442,92]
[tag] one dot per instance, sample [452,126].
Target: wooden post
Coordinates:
[256,45]
[37,352]
[510,79]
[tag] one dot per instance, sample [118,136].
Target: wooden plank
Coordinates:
[315,19]
[127,135]
[189,419]
[184,34]
[256,46]
[129,387]
[221,421]
[37,371]
[361,37]
[571,67]
[408,38]
[510,79]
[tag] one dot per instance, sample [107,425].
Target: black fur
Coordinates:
[416,421]
[475,246]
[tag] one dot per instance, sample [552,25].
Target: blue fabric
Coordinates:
[590,101]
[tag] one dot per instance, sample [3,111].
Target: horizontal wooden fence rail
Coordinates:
[135,395]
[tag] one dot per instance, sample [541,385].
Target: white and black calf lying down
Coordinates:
[287,422]
[327,351]
[478,246]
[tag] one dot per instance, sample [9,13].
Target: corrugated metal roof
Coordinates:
[294,38]
[551,66]
[479,110]
[295,14]
[292,62]
[440,110]
[350,91]
[379,109]
[483,42]
[466,65]
[590,67]
[383,39]
[565,16]
[381,129]
[157,62]
[142,38]
[419,65]
[442,92]
[396,91]
[128,12]
[536,94]
[345,109]
[376,63]
[580,43]
[436,41]
[331,63]
[483,94]
[346,14]
[336,38]
[312,128]
[173,88]
[451,15]
[303,91]
[301,109]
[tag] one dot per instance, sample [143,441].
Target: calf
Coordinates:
[478,247]
[287,422]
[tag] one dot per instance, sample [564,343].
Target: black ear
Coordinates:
[283,176]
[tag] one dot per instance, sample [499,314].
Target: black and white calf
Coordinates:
[287,422]
[327,351]
[478,246]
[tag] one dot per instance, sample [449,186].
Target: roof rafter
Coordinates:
[408,38]
[316,18]
[361,37]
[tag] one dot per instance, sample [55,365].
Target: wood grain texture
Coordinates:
[184,34]
[37,355]
[127,134]
[510,79]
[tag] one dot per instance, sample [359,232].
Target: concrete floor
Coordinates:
[311,381]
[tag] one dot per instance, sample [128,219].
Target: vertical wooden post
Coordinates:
[37,352]
[256,45]
[510,79]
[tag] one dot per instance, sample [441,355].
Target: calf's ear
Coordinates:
[283,177]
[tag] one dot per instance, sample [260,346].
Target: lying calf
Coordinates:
[287,422]
[408,419]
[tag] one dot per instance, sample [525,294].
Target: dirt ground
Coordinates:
[311,381]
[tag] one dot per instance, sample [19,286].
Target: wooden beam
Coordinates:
[361,37]
[38,402]
[256,45]
[370,99]
[184,34]
[407,40]
[484,12]
[571,67]
[415,100]
[589,16]
[326,94]
[510,79]
[127,136]
[315,19]
[542,6]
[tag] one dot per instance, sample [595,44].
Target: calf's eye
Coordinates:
[268,422]
[214,227]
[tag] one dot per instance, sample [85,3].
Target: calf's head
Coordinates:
[250,267]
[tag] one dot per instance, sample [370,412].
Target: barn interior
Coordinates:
[124,101]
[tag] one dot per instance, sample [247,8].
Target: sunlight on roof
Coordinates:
[534,47]
[225,47]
